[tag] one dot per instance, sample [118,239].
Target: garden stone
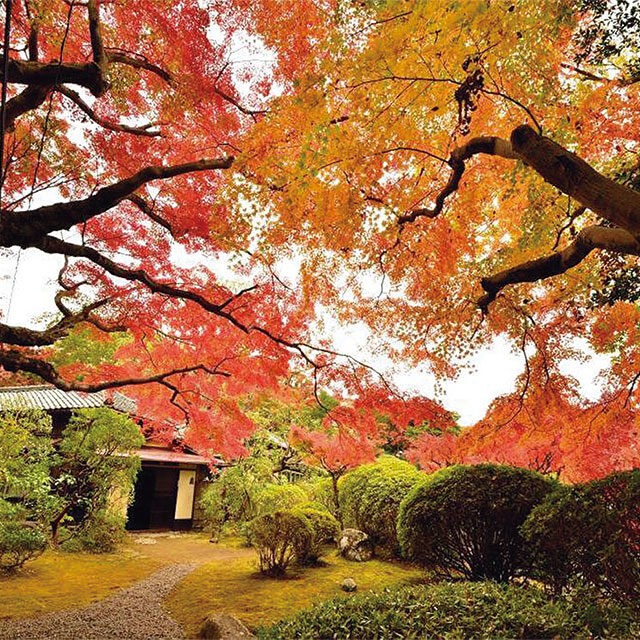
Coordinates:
[349,585]
[222,626]
[355,545]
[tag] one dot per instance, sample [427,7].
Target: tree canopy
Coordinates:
[443,172]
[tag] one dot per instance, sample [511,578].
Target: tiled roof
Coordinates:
[49,398]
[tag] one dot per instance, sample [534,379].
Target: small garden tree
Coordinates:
[93,469]
[280,537]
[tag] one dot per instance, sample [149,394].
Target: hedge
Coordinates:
[479,610]
[370,497]
[465,520]
[591,533]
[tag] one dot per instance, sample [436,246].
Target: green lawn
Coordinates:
[235,587]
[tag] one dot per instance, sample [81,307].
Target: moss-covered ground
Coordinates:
[234,586]
[58,580]
[226,581]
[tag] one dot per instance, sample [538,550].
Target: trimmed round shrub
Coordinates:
[325,529]
[465,520]
[591,533]
[370,497]
[280,537]
[278,497]
[450,611]
[19,543]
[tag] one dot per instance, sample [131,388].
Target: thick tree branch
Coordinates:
[28,100]
[27,228]
[42,74]
[97,48]
[588,239]
[14,360]
[25,337]
[563,169]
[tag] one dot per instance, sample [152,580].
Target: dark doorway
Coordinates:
[154,500]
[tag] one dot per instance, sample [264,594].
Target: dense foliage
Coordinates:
[325,529]
[453,611]
[19,542]
[465,520]
[371,494]
[280,537]
[590,533]
[26,452]
[79,488]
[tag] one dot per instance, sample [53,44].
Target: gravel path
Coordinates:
[135,613]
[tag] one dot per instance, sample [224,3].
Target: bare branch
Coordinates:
[138,61]
[249,112]
[50,244]
[489,145]
[112,126]
[147,209]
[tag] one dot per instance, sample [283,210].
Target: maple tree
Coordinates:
[443,172]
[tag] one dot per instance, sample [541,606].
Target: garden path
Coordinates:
[135,612]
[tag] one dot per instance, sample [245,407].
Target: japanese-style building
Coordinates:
[171,477]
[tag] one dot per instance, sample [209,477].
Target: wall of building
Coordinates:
[201,486]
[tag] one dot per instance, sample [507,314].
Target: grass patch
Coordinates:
[234,586]
[58,580]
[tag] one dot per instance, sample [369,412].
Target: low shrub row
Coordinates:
[459,610]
